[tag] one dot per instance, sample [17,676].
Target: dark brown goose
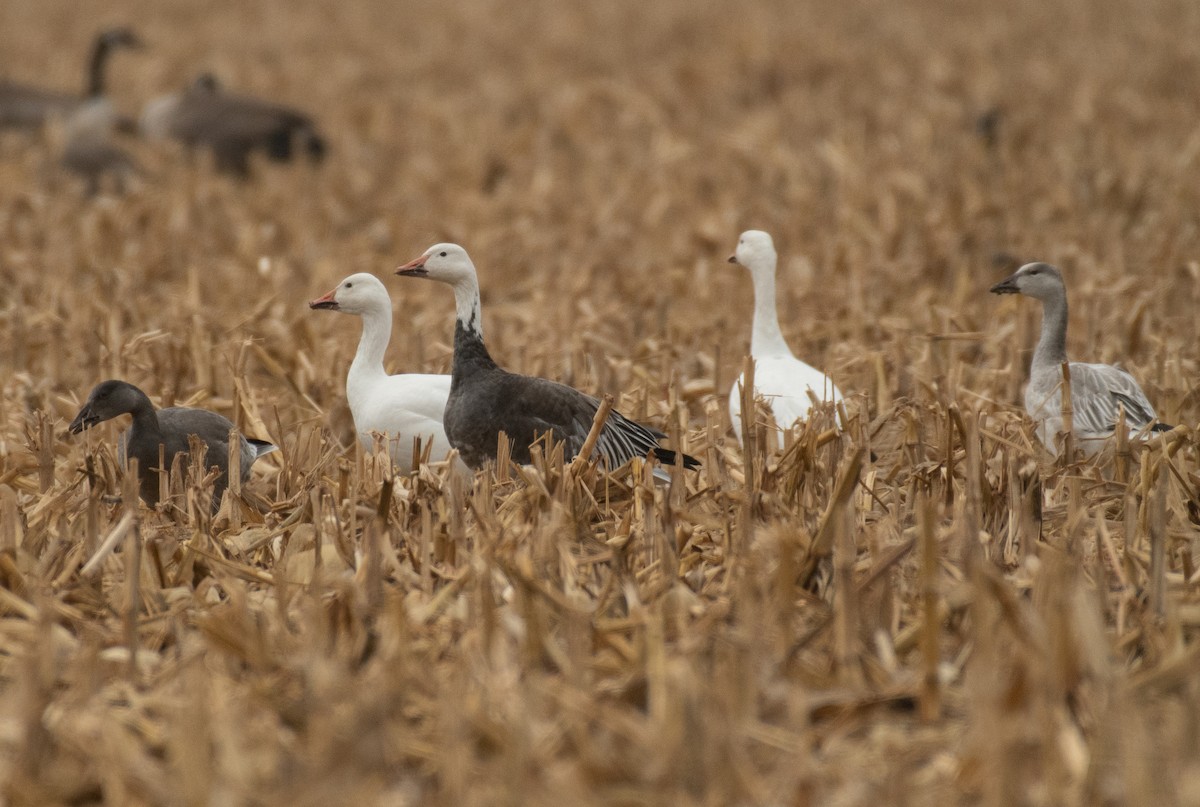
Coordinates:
[486,400]
[169,428]
[26,107]
[231,126]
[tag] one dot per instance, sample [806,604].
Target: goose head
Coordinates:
[1038,280]
[357,294]
[755,250]
[448,263]
[107,400]
[121,37]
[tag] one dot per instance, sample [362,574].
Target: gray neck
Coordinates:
[145,419]
[1051,349]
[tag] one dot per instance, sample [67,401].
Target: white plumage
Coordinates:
[1098,391]
[788,385]
[399,406]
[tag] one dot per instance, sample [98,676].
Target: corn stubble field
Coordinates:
[925,609]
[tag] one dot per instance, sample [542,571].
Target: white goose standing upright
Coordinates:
[400,406]
[779,377]
[1098,391]
[486,400]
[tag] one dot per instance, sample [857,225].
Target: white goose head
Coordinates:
[755,251]
[357,294]
[447,263]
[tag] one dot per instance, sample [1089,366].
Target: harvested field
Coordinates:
[926,609]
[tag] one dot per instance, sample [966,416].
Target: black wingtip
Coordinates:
[1161,427]
[667,457]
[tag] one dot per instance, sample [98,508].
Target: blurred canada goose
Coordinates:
[231,126]
[1098,391]
[169,428]
[787,384]
[26,107]
[400,406]
[485,400]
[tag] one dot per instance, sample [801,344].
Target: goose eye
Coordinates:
[443,254]
[349,285]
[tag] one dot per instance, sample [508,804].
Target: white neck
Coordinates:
[367,366]
[766,338]
[466,302]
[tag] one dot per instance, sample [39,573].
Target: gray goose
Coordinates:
[231,126]
[26,107]
[1098,391]
[167,427]
[485,400]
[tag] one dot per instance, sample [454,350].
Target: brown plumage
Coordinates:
[231,126]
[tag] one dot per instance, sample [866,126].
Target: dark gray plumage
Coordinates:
[231,126]
[486,400]
[167,427]
[26,107]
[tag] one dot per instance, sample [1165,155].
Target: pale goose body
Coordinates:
[788,385]
[1098,391]
[486,400]
[169,428]
[401,407]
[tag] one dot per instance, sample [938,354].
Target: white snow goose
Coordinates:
[1098,391]
[166,427]
[486,400]
[787,384]
[402,407]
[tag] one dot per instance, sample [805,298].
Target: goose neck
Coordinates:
[1051,349]
[145,418]
[95,82]
[470,353]
[376,333]
[766,338]
[468,307]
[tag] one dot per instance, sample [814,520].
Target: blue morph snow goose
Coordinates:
[787,384]
[169,428]
[399,406]
[1098,391]
[486,400]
